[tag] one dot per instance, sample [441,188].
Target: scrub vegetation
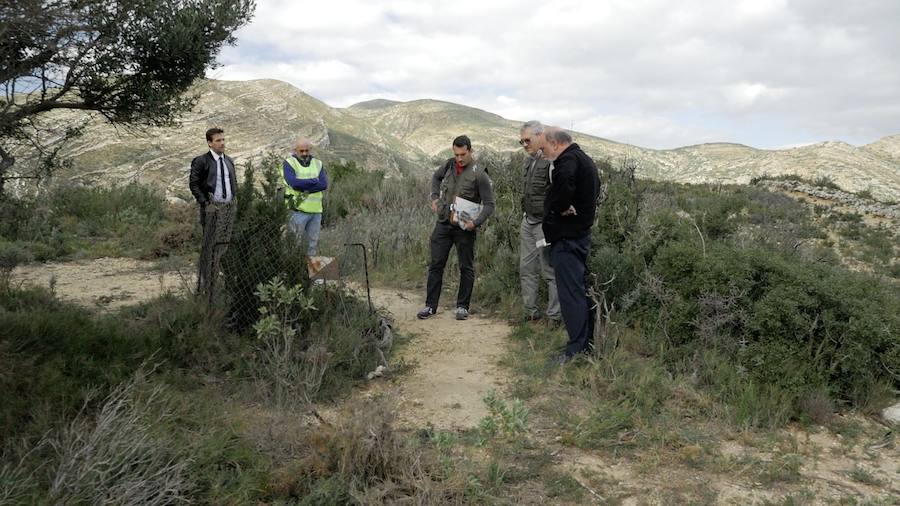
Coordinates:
[734,332]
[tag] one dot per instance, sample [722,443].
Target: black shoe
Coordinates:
[426,312]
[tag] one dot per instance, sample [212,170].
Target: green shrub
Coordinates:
[350,191]
[95,221]
[104,207]
[11,255]
[791,324]
[260,247]
[782,327]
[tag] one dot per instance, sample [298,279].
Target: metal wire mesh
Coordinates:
[242,248]
[246,246]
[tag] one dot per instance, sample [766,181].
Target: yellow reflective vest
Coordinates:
[298,200]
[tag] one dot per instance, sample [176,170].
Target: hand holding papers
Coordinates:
[466,212]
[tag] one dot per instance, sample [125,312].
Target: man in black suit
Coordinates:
[209,170]
[213,182]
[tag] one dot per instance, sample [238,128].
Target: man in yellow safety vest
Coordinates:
[304,180]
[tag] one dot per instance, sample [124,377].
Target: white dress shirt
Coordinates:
[220,185]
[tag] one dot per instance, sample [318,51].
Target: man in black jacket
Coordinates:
[212,177]
[459,177]
[212,182]
[569,210]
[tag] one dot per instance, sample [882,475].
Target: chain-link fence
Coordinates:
[245,245]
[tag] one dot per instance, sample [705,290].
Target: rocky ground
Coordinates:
[837,198]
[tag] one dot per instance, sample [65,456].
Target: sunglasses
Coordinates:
[524,142]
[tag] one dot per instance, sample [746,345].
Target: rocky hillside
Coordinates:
[406,137]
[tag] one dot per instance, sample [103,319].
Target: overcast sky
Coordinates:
[655,73]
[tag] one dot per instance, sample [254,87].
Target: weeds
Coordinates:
[294,363]
[862,475]
[362,458]
[118,456]
[506,419]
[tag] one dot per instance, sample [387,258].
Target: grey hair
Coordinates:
[558,136]
[534,126]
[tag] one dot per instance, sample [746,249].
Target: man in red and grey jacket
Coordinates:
[462,177]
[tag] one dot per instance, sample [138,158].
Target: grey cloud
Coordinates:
[807,67]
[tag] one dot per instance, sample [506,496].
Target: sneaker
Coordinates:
[426,312]
[462,313]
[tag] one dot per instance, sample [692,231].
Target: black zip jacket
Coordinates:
[574,181]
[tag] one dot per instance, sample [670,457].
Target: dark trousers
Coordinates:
[569,260]
[443,238]
[217,220]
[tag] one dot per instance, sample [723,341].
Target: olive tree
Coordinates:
[130,61]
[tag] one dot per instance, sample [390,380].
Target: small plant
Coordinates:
[862,475]
[444,442]
[782,469]
[294,365]
[508,420]
[363,456]
[826,182]
[11,255]
[14,481]
[865,194]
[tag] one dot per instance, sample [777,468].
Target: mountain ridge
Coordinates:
[266,115]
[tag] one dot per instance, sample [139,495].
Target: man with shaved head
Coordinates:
[569,210]
[304,179]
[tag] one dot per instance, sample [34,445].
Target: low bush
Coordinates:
[363,459]
[88,221]
[787,326]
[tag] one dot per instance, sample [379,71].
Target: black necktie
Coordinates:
[224,182]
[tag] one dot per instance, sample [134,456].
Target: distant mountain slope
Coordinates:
[428,126]
[257,116]
[399,137]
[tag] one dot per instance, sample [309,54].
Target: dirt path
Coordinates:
[103,282]
[455,363]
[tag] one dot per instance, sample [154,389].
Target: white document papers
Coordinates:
[466,210]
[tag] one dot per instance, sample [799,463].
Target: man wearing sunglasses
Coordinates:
[534,257]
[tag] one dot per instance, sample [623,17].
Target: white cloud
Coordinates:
[631,69]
